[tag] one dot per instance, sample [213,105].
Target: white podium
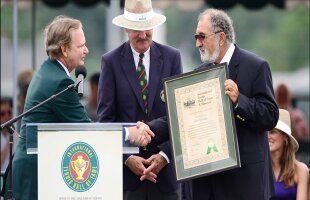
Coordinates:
[79,161]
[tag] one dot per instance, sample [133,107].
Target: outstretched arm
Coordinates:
[160,127]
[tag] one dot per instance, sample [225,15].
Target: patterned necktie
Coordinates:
[143,82]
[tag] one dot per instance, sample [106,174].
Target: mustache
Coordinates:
[142,40]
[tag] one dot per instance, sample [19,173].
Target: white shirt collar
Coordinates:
[228,54]
[65,68]
[135,53]
[146,60]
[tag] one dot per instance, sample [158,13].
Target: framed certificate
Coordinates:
[201,123]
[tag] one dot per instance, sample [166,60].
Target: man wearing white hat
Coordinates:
[131,90]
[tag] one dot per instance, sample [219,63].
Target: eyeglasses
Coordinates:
[201,37]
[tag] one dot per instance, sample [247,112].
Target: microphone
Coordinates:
[80,74]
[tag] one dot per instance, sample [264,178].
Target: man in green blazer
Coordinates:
[66,49]
[65,46]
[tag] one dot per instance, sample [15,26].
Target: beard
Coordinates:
[205,54]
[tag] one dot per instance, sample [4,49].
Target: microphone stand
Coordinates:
[10,127]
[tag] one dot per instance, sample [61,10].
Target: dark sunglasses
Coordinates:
[201,37]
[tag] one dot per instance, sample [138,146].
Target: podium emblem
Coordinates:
[80,167]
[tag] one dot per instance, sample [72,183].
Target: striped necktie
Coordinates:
[143,82]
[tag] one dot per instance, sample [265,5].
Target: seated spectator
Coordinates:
[23,82]
[91,104]
[6,115]
[24,79]
[291,175]
[300,128]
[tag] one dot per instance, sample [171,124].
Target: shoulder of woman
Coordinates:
[302,169]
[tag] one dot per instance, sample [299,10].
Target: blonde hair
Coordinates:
[287,162]
[58,33]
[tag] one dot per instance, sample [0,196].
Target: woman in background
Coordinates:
[291,176]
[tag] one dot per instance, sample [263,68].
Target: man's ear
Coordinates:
[64,50]
[222,38]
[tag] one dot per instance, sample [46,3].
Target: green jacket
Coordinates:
[50,79]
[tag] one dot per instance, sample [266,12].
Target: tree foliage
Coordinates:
[280,36]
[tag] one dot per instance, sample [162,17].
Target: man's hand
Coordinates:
[136,164]
[140,134]
[157,163]
[150,176]
[231,89]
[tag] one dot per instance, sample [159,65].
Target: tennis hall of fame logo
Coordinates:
[80,167]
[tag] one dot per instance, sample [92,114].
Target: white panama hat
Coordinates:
[284,125]
[139,15]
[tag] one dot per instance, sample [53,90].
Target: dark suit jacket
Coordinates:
[50,79]
[120,99]
[256,113]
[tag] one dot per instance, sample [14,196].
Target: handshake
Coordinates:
[140,134]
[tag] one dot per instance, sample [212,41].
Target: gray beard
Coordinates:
[206,57]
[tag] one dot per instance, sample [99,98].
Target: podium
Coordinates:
[79,161]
